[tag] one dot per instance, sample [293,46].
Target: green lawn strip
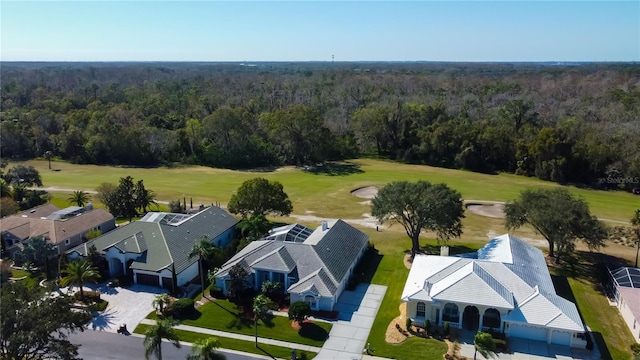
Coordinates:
[19,273]
[392,273]
[224,316]
[234,344]
[579,284]
[327,196]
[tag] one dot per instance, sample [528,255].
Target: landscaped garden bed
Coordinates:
[226,316]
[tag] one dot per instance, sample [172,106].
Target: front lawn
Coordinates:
[392,273]
[224,315]
[579,280]
[234,344]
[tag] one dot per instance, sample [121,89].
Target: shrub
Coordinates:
[100,305]
[299,311]
[427,326]
[181,307]
[446,329]
[408,323]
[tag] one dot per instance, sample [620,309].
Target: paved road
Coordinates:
[100,345]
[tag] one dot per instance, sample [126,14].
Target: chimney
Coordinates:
[325,226]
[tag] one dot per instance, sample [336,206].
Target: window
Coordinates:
[311,301]
[450,313]
[67,241]
[420,309]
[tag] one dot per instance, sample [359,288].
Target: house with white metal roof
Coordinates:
[155,247]
[505,286]
[312,265]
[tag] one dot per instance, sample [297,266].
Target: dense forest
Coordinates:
[570,123]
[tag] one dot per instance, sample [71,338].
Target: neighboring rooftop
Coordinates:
[626,277]
[319,259]
[163,239]
[292,233]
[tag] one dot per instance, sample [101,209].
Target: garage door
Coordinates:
[528,332]
[146,279]
[561,337]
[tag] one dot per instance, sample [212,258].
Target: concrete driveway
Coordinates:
[126,306]
[357,311]
[524,349]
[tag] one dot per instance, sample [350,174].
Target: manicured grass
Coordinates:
[18,273]
[580,281]
[233,344]
[225,316]
[392,273]
[325,193]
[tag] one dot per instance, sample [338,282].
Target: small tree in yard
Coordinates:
[79,272]
[299,311]
[484,344]
[261,306]
[160,302]
[238,276]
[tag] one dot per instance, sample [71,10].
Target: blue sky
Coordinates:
[315,30]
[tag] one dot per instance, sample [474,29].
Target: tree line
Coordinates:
[574,124]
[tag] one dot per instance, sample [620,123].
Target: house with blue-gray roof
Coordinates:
[312,265]
[155,247]
[504,286]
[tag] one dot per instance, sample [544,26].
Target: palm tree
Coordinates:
[205,349]
[48,155]
[261,305]
[79,272]
[203,249]
[79,198]
[163,329]
[484,344]
[161,301]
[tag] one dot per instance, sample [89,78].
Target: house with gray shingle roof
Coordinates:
[64,228]
[505,286]
[152,248]
[312,265]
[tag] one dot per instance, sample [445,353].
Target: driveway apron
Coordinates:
[357,312]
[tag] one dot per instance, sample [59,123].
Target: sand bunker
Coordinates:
[367,192]
[495,210]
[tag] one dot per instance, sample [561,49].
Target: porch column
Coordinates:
[160,280]
[480,324]
[460,317]
[271,276]
[124,267]
[255,280]
[440,316]
[549,331]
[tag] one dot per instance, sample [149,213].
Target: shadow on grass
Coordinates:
[267,320]
[265,352]
[590,266]
[240,323]
[313,332]
[368,265]
[335,169]
[561,284]
[602,346]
